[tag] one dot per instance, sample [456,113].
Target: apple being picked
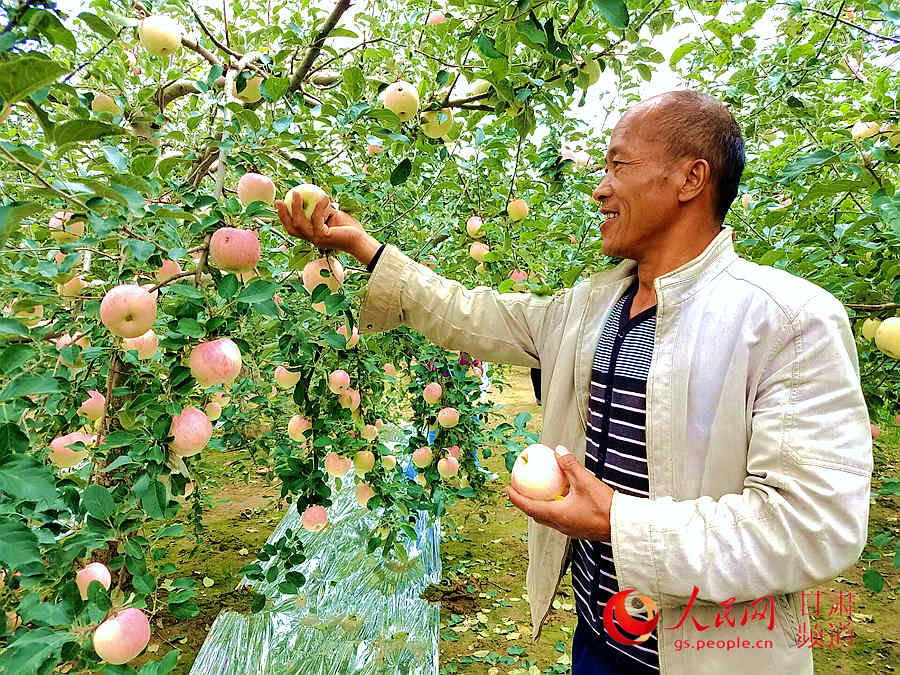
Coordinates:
[308,194]
[536,474]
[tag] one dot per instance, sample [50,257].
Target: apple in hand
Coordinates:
[308,194]
[536,474]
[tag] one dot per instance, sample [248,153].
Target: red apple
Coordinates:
[215,362]
[876,432]
[285,378]
[121,638]
[93,406]
[232,249]
[297,425]
[448,417]
[339,381]
[192,431]
[94,571]
[473,227]
[64,231]
[146,345]
[167,270]
[315,518]
[369,432]
[363,493]
[448,467]
[435,18]
[65,457]
[128,310]
[421,457]
[453,451]
[390,369]
[254,187]
[354,339]
[335,465]
[432,393]
[478,250]
[349,399]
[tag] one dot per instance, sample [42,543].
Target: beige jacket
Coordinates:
[758,442]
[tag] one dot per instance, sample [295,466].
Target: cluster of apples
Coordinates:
[885,333]
[125,634]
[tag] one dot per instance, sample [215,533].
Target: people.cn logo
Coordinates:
[616,612]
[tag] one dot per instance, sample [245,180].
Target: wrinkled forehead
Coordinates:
[637,132]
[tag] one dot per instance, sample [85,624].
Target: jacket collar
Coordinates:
[680,283]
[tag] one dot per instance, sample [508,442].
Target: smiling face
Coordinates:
[639,193]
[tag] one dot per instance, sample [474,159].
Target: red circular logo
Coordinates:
[616,611]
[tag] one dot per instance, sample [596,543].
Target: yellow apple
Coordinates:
[309,194]
[160,35]
[437,122]
[887,337]
[402,99]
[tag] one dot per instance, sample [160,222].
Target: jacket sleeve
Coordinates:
[802,515]
[492,326]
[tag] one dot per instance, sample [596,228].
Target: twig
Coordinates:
[60,193]
[846,23]
[872,308]
[316,46]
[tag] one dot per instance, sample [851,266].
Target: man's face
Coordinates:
[641,185]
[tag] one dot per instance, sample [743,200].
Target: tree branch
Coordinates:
[316,46]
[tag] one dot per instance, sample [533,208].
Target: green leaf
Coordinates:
[79,131]
[115,157]
[681,51]
[258,291]
[191,328]
[487,48]
[401,172]
[11,215]
[13,327]
[532,33]
[275,87]
[154,500]
[132,197]
[98,25]
[793,170]
[23,75]
[354,83]
[141,250]
[31,650]
[873,580]
[185,291]
[98,502]
[14,357]
[52,27]
[26,385]
[18,544]
[22,477]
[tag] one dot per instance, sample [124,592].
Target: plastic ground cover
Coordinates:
[355,614]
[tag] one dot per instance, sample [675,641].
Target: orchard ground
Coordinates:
[485,620]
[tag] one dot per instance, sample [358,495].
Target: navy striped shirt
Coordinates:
[616,453]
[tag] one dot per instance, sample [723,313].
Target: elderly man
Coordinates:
[720,456]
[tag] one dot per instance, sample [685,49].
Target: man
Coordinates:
[715,403]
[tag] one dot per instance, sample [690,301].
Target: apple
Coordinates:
[72,288]
[536,474]
[745,201]
[448,467]
[876,432]
[862,130]
[421,457]
[582,158]
[448,417]
[870,327]
[128,310]
[378,424]
[105,103]
[421,480]
[191,430]
[588,73]
[213,411]
[26,312]
[220,398]
[315,518]
[887,337]
[480,87]
[435,18]
[363,493]
[167,270]
[297,426]
[285,378]
[308,194]
[146,345]
[478,250]
[373,149]
[402,99]
[453,451]
[160,35]
[567,154]
[121,638]
[339,381]
[473,227]
[518,276]
[94,571]
[314,274]
[93,405]
[437,122]
[64,231]
[390,369]
[250,93]
[369,432]
[64,341]
[215,362]
[363,462]
[354,338]
[254,187]
[63,456]
[517,209]
[234,250]
[349,399]
[335,465]
[432,393]
[388,461]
